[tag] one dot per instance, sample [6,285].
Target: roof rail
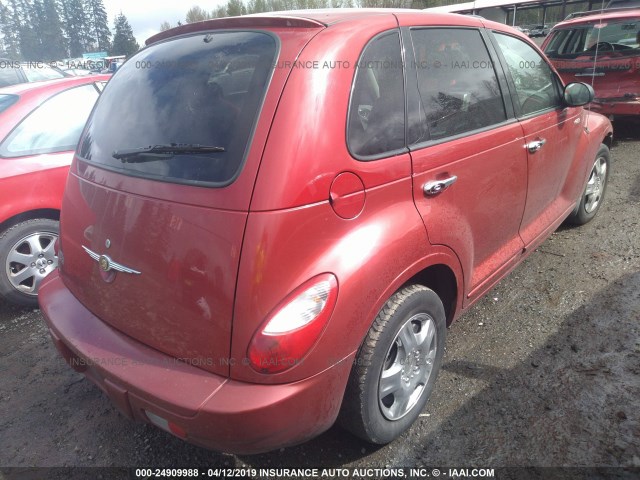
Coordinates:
[596,12]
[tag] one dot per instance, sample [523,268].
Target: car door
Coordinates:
[469,164]
[551,134]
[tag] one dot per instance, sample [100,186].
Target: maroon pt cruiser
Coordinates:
[270,221]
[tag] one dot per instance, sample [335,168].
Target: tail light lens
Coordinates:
[290,331]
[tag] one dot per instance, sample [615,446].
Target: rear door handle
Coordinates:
[437,186]
[536,145]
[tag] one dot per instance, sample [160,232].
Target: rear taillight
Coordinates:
[290,331]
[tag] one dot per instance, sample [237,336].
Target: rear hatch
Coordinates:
[604,54]
[157,199]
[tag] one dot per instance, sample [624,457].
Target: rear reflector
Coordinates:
[166,425]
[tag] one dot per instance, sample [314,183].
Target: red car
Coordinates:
[40,124]
[601,48]
[270,220]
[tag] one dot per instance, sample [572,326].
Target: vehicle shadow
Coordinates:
[9,310]
[579,392]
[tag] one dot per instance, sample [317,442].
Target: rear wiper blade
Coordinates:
[128,155]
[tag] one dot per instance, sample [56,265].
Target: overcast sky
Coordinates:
[145,16]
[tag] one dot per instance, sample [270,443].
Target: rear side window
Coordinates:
[457,81]
[376,112]
[199,91]
[6,101]
[536,86]
[54,126]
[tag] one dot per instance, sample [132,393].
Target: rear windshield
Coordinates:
[184,110]
[614,38]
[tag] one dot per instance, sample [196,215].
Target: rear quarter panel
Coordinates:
[372,256]
[32,183]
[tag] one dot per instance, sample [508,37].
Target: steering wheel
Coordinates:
[602,46]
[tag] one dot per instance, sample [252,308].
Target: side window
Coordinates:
[376,113]
[40,72]
[535,83]
[9,75]
[55,126]
[457,82]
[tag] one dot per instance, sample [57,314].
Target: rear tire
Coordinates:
[26,257]
[396,366]
[593,194]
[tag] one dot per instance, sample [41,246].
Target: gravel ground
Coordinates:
[544,371]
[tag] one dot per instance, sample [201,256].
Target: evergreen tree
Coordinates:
[76,26]
[100,35]
[164,26]
[26,17]
[124,43]
[49,30]
[9,30]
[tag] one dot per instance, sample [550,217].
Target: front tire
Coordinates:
[396,367]
[593,194]
[26,257]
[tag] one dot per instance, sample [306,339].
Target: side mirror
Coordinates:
[578,94]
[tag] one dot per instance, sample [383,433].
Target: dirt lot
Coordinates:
[545,371]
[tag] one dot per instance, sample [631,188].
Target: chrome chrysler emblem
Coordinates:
[106,264]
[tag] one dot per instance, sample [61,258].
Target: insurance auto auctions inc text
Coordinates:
[365,473]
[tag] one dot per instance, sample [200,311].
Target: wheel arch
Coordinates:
[442,280]
[440,271]
[48,213]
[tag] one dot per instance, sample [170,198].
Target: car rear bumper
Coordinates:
[213,411]
[616,106]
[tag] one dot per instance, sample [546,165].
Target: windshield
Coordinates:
[201,90]
[614,38]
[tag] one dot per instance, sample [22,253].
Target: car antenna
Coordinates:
[595,60]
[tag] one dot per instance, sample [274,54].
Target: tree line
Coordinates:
[48,30]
